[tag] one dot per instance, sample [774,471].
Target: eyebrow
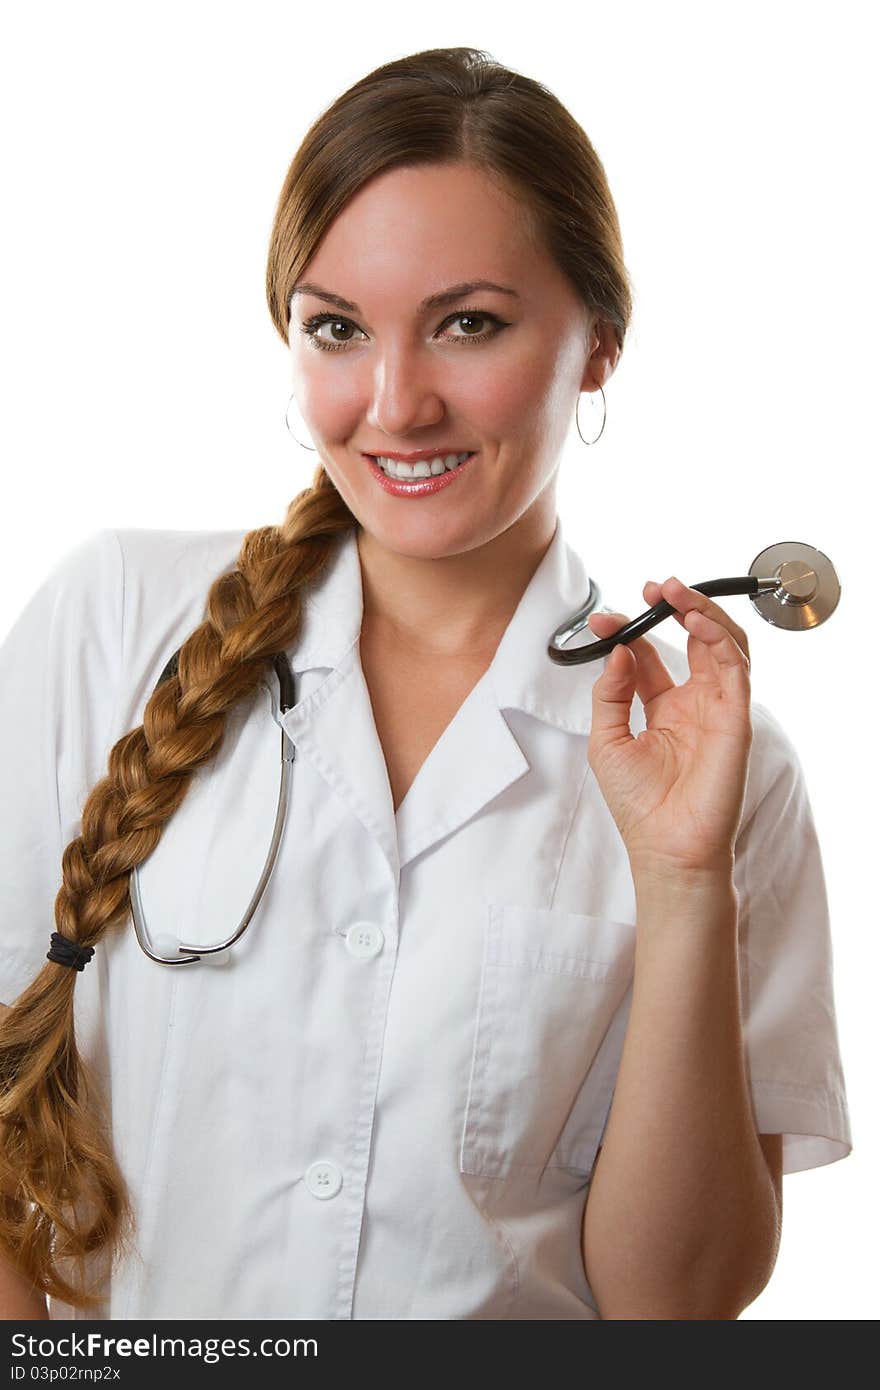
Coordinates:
[431,301]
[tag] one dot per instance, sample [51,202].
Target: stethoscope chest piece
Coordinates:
[807,590]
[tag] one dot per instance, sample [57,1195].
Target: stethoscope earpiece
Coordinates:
[792,585]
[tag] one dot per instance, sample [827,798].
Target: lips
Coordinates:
[417,486]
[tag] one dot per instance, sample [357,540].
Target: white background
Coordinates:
[144,384]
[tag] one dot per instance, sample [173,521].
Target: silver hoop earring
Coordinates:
[604,416]
[310,447]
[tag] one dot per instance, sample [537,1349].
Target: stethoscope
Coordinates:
[791,585]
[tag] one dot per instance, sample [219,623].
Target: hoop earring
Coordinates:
[604,416]
[310,447]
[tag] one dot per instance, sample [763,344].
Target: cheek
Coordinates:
[506,398]
[329,402]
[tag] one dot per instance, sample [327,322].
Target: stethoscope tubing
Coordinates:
[287,698]
[593,651]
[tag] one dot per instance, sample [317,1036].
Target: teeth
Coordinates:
[425,468]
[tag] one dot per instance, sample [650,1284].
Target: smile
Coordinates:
[423,478]
[424,468]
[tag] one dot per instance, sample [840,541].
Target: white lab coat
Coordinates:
[389,1101]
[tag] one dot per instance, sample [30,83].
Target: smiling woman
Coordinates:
[421,1041]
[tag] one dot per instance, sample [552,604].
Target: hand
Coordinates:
[676,791]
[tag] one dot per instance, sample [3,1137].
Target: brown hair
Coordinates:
[63,1197]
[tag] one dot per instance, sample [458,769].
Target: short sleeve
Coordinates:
[59,675]
[786,960]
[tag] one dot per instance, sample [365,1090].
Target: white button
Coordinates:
[364,939]
[323,1179]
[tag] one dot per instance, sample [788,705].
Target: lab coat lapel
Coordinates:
[473,761]
[333,725]
[522,675]
[477,756]
[334,728]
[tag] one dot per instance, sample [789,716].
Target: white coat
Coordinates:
[388,1103]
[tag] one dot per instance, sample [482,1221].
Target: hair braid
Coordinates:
[62,1196]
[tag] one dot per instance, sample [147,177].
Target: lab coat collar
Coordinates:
[478,756]
[521,675]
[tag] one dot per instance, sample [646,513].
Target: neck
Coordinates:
[450,606]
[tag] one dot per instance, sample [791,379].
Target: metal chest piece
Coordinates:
[807,590]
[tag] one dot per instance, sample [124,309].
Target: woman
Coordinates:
[533,1013]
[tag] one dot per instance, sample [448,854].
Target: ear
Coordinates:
[604,353]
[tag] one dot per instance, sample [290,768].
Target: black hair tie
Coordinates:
[67,952]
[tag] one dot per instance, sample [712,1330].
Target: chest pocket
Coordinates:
[545,1056]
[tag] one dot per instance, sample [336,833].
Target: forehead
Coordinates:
[433,223]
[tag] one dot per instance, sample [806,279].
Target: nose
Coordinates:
[404,397]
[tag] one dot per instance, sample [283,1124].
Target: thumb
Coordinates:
[613,695]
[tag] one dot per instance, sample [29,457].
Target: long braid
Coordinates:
[62,1195]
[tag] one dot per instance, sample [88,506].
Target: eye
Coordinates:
[481,317]
[336,322]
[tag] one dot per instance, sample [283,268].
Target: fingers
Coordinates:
[623,675]
[685,600]
[722,638]
[651,675]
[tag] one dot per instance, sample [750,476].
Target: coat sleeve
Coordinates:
[59,675]
[786,960]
